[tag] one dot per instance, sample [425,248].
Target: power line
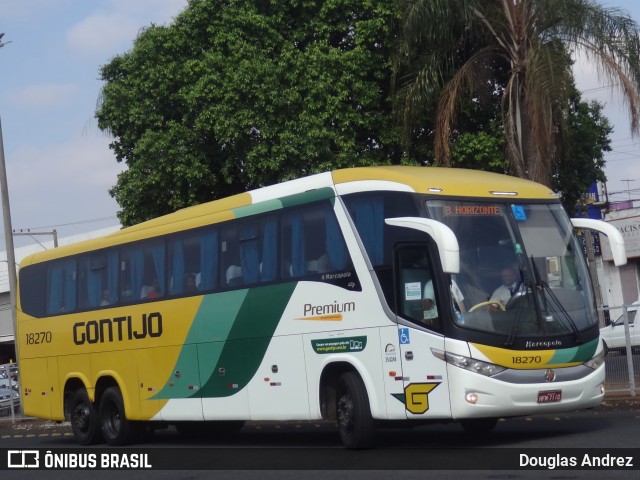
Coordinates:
[79,222]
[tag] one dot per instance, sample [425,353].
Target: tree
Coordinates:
[236,95]
[453,51]
[481,146]
[583,162]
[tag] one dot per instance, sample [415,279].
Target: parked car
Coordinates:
[5,400]
[613,335]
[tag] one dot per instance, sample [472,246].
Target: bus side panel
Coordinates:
[119,366]
[392,375]
[169,393]
[36,387]
[278,390]
[359,348]
[78,367]
[224,375]
[57,397]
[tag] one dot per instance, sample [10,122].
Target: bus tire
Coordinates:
[478,426]
[116,429]
[84,419]
[355,424]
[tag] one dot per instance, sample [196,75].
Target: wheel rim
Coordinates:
[112,420]
[82,417]
[345,413]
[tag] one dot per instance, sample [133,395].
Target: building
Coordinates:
[623,283]
[7,338]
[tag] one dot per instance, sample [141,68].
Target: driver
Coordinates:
[507,289]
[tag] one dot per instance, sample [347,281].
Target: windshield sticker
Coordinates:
[339,345]
[519,213]
[412,291]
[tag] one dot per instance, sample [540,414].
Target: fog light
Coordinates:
[471,397]
[602,389]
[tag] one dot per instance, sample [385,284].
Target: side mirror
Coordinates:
[616,241]
[444,237]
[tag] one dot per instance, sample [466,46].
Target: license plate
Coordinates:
[549,396]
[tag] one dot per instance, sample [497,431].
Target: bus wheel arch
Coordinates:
[344,398]
[116,428]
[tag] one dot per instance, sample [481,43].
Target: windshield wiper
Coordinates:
[516,321]
[559,307]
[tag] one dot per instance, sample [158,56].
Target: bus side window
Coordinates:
[62,282]
[417,292]
[98,280]
[313,242]
[230,255]
[193,263]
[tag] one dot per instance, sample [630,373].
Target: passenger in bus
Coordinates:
[190,284]
[105,298]
[152,291]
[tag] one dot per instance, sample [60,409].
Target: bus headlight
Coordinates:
[596,361]
[473,365]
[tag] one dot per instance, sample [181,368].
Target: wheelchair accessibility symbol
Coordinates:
[404,336]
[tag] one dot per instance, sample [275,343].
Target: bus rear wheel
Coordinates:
[355,424]
[84,419]
[116,429]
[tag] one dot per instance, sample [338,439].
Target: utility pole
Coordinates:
[8,238]
[628,190]
[29,233]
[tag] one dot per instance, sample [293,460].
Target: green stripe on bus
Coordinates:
[290,201]
[581,353]
[228,340]
[262,207]
[308,197]
[248,341]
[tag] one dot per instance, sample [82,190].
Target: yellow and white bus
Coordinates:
[362,295]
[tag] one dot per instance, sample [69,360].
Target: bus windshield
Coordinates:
[522,272]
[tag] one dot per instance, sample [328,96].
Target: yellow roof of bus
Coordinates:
[432,180]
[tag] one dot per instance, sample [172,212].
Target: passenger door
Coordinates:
[420,326]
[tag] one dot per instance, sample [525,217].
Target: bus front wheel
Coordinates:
[355,423]
[116,429]
[84,419]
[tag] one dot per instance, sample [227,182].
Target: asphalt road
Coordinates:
[312,449]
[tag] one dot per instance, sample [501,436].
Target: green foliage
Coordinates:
[582,162]
[454,52]
[236,95]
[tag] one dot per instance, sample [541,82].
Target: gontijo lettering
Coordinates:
[117,329]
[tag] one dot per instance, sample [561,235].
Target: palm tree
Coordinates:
[453,49]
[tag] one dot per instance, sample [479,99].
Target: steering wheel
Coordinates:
[488,302]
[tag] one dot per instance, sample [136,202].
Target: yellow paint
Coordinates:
[336,317]
[417,396]
[131,363]
[451,181]
[521,359]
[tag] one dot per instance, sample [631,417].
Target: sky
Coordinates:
[59,165]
